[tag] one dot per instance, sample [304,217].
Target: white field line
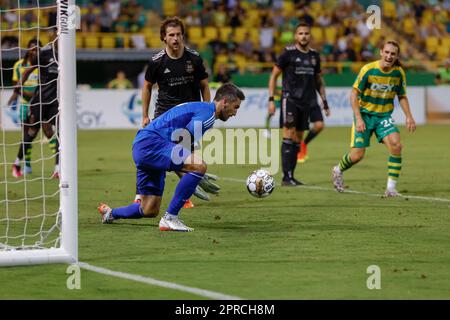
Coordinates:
[348,191]
[159,283]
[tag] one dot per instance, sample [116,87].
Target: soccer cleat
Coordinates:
[27,170]
[201,194]
[15,171]
[338,179]
[298,182]
[137,199]
[56,174]
[207,185]
[188,204]
[173,224]
[304,148]
[390,193]
[302,155]
[292,182]
[106,213]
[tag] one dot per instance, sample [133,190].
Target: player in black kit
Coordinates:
[44,103]
[181,77]
[300,66]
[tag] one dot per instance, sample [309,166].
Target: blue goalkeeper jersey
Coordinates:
[196,117]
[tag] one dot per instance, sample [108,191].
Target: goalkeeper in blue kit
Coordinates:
[157,148]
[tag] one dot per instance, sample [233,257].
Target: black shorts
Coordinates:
[294,115]
[45,112]
[315,114]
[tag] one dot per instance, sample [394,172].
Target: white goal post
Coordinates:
[64,248]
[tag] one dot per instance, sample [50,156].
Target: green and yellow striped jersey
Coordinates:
[32,81]
[377,89]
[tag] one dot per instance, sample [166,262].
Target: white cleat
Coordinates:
[27,170]
[106,213]
[137,199]
[173,224]
[338,179]
[390,193]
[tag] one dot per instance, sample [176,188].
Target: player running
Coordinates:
[300,66]
[181,77]
[372,100]
[157,149]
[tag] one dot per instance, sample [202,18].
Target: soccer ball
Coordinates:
[260,183]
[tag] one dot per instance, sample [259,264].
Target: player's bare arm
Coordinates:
[410,122]
[276,71]
[322,93]
[204,88]
[146,97]
[360,125]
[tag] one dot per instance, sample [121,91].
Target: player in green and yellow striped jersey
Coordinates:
[372,101]
[26,93]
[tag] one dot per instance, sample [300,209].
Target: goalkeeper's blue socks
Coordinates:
[132,211]
[185,189]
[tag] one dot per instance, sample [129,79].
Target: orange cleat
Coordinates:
[302,155]
[106,213]
[188,204]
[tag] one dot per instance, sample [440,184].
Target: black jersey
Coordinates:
[299,75]
[178,79]
[47,63]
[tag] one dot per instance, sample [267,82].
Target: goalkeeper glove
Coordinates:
[207,184]
[201,194]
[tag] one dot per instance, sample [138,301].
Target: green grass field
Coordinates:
[299,243]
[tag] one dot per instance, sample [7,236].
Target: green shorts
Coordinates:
[23,112]
[381,125]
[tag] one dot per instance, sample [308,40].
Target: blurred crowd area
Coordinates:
[246,36]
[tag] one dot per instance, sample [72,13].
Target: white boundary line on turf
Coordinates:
[159,283]
[350,191]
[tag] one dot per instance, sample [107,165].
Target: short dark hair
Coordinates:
[170,22]
[32,44]
[302,24]
[230,91]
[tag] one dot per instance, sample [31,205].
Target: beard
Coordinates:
[223,116]
[304,44]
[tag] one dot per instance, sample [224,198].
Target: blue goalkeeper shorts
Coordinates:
[153,156]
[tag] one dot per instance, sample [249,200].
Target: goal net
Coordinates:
[38,169]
